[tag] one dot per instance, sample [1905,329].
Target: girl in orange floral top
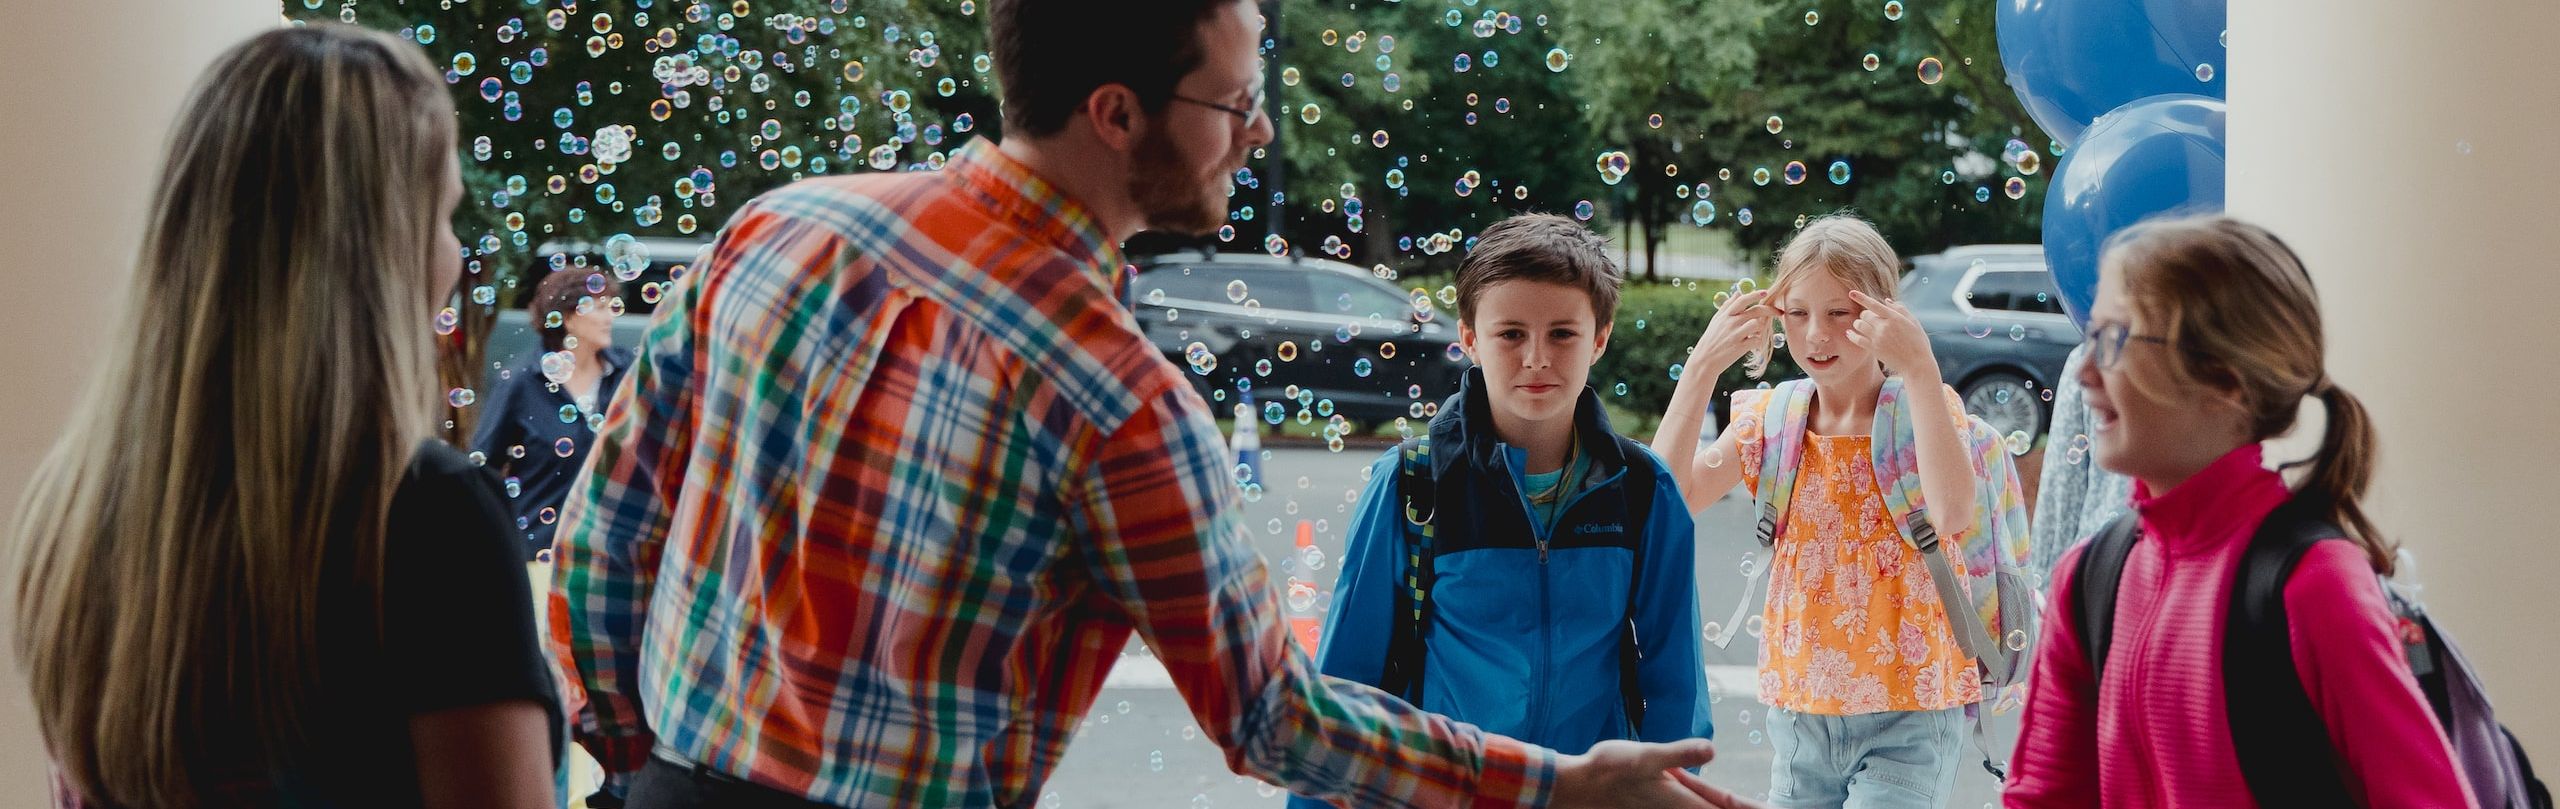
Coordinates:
[1865,683]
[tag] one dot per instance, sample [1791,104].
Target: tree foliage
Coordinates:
[1404,127]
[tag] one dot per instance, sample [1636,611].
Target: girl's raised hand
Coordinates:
[1740,327]
[1888,330]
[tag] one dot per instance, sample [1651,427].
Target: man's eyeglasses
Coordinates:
[2106,344]
[1252,113]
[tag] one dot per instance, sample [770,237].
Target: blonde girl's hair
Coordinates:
[1842,244]
[264,392]
[2242,314]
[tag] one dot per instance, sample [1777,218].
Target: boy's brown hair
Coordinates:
[1544,248]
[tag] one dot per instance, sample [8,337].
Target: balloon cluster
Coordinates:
[2132,93]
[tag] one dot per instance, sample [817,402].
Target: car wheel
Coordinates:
[2007,401]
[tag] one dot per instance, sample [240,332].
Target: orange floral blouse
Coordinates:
[1853,624]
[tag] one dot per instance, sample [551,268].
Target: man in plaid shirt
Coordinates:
[897,475]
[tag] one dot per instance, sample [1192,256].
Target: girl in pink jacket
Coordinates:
[2204,340]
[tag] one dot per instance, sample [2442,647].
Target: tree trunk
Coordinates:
[1653,236]
[1377,233]
[1626,238]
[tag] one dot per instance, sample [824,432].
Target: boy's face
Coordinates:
[1536,343]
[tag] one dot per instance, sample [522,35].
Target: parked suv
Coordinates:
[1331,330]
[1996,323]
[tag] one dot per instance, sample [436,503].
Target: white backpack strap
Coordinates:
[1781,438]
[1897,471]
[1971,636]
[1894,452]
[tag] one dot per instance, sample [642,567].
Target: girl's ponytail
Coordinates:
[2344,468]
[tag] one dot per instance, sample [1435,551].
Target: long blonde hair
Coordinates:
[260,400]
[1842,244]
[2240,308]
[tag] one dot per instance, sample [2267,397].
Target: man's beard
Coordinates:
[1168,194]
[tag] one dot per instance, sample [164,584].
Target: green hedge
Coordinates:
[1655,326]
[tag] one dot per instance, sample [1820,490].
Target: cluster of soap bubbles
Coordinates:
[591,126]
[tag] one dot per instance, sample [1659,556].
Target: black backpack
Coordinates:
[2282,743]
[1419,490]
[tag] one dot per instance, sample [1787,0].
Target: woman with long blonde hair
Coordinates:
[247,575]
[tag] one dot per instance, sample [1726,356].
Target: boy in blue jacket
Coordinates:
[1553,558]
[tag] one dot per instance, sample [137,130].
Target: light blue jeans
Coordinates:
[1895,760]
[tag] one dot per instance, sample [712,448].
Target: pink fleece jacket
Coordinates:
[2154,734]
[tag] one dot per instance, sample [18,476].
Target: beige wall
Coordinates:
[2408,151]
[92,86]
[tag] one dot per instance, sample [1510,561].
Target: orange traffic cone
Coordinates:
[1303,623]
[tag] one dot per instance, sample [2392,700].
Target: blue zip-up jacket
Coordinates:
[1526,618]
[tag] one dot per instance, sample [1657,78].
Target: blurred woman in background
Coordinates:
[546,406]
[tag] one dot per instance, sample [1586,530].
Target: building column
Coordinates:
[92,89]
[2406,150]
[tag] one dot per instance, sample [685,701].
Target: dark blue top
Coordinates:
[526,410]
[448,624]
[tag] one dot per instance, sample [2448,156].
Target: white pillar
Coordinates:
[92,87]
[2406,150]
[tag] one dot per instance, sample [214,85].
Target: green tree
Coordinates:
[1404,124]
[1654,92]
[1835,130]
[717,103]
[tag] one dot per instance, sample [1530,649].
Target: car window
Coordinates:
[1285,289]
[2040,295]
[1273,288]
[1204,285]
[2015,291]
[1338,294]
[1988,292]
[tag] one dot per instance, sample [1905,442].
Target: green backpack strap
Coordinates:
[1417,491]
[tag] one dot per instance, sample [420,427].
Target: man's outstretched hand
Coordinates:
[1642,776]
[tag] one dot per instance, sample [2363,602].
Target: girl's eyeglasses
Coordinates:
[2106,344]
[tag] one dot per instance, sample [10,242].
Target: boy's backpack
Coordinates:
[1418,490]
[1994,625]
[2283,745]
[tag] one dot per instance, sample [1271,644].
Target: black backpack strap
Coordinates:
[1637,486]
[2536,795]
[2284,746]
[2094,582]
[1417,491]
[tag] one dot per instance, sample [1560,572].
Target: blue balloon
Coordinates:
[2073,60]
[2158,155]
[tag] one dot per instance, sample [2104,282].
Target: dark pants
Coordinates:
[665,784]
